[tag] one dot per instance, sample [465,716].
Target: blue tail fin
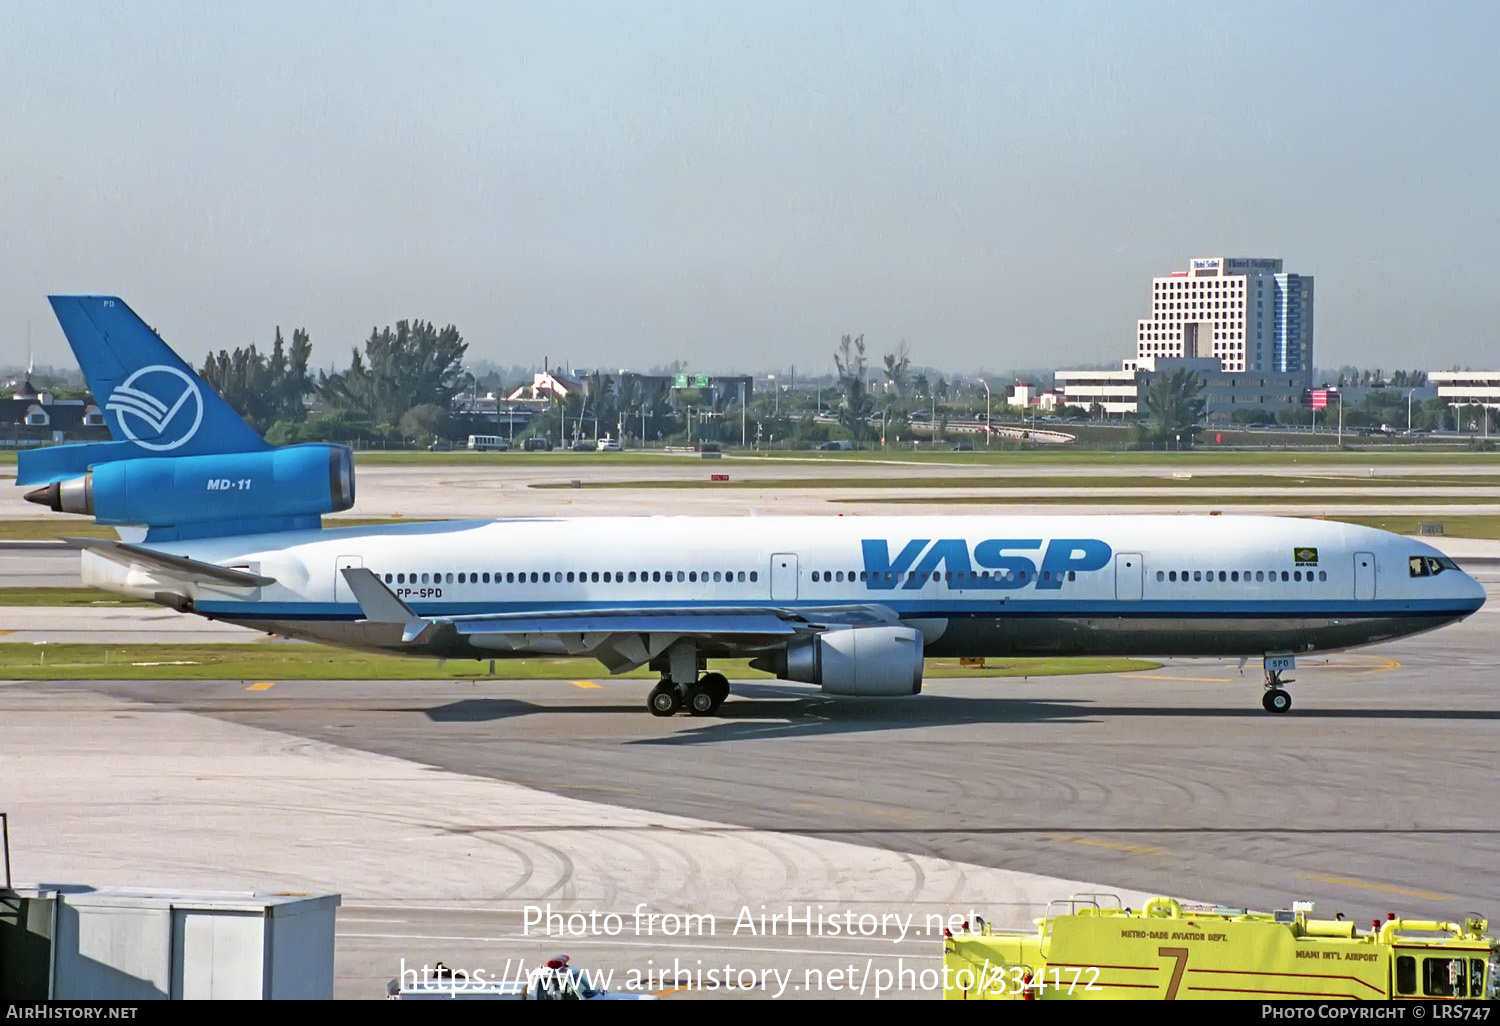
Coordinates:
[153,402]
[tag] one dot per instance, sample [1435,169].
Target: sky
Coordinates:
[621,184]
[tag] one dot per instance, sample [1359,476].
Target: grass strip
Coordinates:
[88,597]
[271,661]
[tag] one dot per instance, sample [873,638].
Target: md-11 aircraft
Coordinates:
[233,531]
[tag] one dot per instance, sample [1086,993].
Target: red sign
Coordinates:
[1319,398]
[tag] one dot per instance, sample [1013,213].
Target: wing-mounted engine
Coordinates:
[859,661]
[198,496]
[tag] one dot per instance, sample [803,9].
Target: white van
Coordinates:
[486,443]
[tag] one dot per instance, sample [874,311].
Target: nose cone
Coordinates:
[1471,594]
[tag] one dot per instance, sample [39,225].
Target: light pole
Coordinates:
[988,429]
[1408,409]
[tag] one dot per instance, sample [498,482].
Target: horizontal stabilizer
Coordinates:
[65,462]
[176,566]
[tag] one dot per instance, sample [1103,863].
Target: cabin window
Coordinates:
[1161,575]
[1322,575]
[1072,575]
[1223,576]
[815,577]
[387,578]
[1197,575]
[680,576]
[742,577]
[1296,575]
[424,578]
[1234,576]
[486,577]
[1260,575]
[535,577]
[754,576]
[1285,576]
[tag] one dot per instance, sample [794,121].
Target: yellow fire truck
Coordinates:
[1090,947]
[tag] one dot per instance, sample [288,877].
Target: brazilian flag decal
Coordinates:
[1305,557]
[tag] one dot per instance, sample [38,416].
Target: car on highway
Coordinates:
[608,444]
[963,447]
[839,445]
[538,445]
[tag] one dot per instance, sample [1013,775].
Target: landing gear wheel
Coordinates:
[664,699]
[717,685]
[700,701]
[1276,700]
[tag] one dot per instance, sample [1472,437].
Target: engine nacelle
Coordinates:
[296,481]
[864,661]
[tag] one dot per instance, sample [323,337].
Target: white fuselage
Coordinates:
[973,585]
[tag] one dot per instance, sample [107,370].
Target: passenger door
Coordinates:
[783,576]
[341,592]
[1129,571]
[1364,576]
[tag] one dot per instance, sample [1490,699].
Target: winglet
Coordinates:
[380,604]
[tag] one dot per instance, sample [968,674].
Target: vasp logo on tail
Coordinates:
[157,404]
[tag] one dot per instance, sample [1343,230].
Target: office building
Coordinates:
[1245,312]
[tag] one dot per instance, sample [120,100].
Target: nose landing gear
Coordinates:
[1276,699]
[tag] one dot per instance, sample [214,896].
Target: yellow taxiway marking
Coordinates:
[1386,664]
[7,632]
[584,684]
[1405,892]
[265,685]
[856,808]
[1134,849]
[1163,676]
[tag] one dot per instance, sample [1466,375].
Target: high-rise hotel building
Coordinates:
[1244,312]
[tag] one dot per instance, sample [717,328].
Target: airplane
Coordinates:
[233,531]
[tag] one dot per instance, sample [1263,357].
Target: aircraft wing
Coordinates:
[621,639]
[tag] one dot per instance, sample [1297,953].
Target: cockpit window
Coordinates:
[1429,566]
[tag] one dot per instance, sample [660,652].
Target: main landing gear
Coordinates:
[701,698]
[1276,699]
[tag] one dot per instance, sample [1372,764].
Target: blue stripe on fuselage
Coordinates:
[906,608]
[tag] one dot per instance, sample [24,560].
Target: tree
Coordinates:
[857,404]
[1174,410]
[898,371]
[426,423]
[263,389]
[415,364]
